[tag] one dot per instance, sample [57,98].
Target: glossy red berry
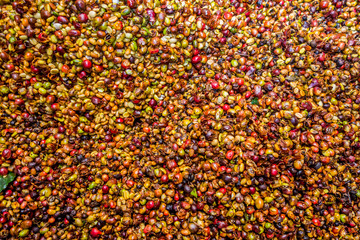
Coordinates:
[95,232]
[86,64]
[196,59]
[150,205]
[3,171]
[229,154]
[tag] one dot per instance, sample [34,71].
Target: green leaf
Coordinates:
[194,193]
[5,180]
[255,101]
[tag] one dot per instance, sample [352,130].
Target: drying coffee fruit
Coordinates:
[179,119]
